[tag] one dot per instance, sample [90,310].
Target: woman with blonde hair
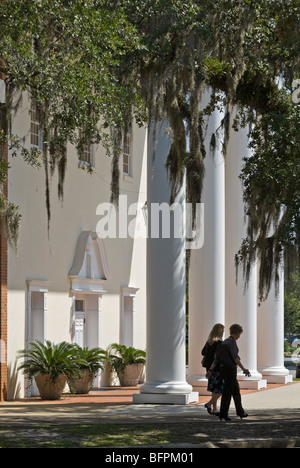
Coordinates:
[215,382]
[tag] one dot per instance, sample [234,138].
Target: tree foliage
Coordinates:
[114,58]
[65,55]
[292,304]
[248,53]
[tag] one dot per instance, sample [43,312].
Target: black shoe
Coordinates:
[208,409]
[244,415]
[226,418]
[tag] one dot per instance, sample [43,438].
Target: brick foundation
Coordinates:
[3,306]
[3,270]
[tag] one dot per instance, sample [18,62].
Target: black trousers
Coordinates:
[231,389]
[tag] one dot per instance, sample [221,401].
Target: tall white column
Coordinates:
[207,265]
[166,365]
[241,303]
[271,336]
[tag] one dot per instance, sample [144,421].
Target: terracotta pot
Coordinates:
[49,390]
[109,376]
[130,376]
[81,385]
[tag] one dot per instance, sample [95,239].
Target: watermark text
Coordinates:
[155,221]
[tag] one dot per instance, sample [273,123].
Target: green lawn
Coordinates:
[209,432]
[96,435]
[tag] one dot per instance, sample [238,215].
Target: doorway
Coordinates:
[80,331]
[87,323]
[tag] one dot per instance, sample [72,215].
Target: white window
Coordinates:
[127,153]
[87,156]
[80,329]
[35,128]
[79,305]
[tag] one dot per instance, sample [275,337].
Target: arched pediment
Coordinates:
[89,270]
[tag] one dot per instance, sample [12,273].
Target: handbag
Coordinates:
[204,361]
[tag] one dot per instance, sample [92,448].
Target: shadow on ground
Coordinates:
[116,425]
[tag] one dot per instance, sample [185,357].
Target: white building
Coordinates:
[69,284]
[73,284]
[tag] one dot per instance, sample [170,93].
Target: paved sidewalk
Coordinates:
[280,398]
[114,405]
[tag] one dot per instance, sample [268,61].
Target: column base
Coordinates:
[252,384]
[277,379]
[255,382]
[170,386]
[165,398]
[199,384]
[166,393]
[276,375]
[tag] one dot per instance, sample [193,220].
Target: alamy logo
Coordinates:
[159,220]
[296,92]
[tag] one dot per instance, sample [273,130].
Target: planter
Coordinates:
[130,376]
[50,390]
[109,376]
[81,385]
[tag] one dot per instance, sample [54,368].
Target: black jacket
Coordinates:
[209,352]
[227,353]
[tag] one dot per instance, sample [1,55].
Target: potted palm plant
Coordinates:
[109,377]
[129,363]
[50,365]
[91,360]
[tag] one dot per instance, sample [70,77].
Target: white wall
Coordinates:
[49,256]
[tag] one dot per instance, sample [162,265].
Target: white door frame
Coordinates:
[82,296]
[41,287]
[127,292]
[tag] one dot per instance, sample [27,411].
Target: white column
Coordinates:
[271,336]
[165,366]
[73,317]
[97,380]
[207,265]
[241,303]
